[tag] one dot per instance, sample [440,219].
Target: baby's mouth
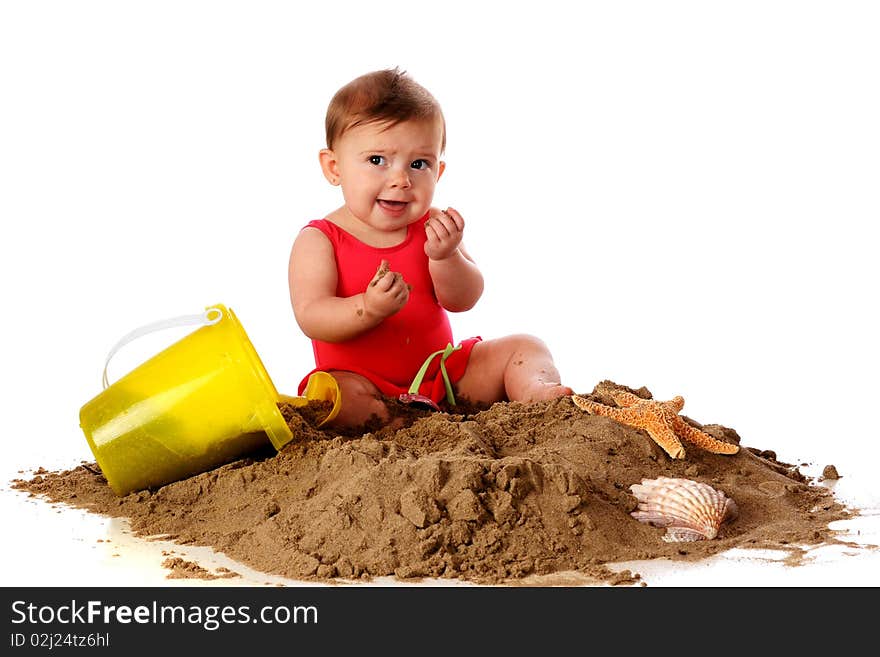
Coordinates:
[392,207]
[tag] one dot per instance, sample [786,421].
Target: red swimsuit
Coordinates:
[391,354]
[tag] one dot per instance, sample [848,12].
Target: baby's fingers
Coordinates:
[457,219]
[399,283]
[383,269]
[442,224]
[435,231]
[402,295]
[386,282]
[398,292]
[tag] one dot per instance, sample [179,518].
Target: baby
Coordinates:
[372,282]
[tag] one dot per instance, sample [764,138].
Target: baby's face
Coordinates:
[388,174]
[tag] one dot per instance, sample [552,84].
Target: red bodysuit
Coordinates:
[390,354]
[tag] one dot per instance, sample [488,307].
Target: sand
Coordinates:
[182,569]
[486,495]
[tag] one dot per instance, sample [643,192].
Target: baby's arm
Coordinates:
[458,282]
[319,312]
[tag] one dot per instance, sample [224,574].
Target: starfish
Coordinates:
[659,419]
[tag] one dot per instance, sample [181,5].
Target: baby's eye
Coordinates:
[378,160]
[420,164]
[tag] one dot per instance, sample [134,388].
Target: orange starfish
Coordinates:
[659,419]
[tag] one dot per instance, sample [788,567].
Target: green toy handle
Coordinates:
[420,375]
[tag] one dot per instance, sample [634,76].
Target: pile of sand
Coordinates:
[513,490]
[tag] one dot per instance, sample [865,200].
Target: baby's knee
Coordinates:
[361,401]
[526,341]
[354,385]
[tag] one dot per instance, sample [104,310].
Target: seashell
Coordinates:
[689,510]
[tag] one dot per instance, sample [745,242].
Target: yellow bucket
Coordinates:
[203,401]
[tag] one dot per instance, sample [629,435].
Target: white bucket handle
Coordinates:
[207,318]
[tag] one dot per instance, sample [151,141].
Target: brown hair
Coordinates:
[387,96]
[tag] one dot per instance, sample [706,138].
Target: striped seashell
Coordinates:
[689,510]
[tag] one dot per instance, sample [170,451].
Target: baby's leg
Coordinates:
[513,368]
[361,400]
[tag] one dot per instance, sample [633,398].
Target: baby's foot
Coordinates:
[540,390]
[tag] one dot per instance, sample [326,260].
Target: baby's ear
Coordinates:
[329,165]
[441,167]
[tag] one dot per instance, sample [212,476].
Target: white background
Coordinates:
[681,195]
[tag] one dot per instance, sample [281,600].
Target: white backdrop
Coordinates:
[681,195]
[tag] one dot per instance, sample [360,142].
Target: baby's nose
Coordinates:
[399,177]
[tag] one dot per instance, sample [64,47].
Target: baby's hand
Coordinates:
[444,231]
[387,292]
